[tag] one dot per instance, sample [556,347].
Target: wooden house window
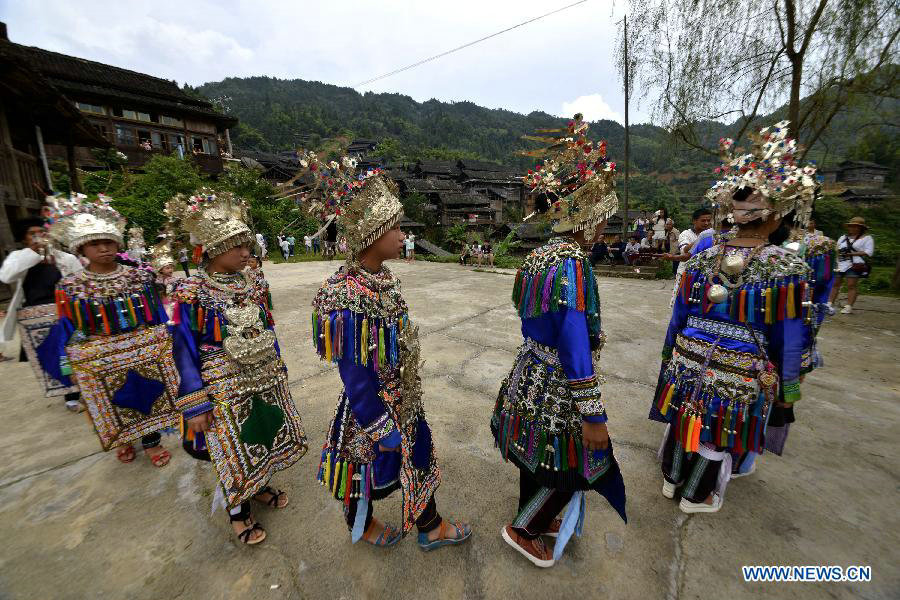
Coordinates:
[101,127]
[142,116]
[175,141]
[90,108]
[157,139]
[125,136]
[170,121]
[203,145]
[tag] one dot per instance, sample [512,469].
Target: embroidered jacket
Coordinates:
[714,383]
[555,294]
[360,322]
[90,305]
[552,388]
[198,313]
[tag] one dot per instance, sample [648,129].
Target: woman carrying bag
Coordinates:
[854,250]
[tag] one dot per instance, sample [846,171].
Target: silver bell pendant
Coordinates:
[733,264]
[717,294]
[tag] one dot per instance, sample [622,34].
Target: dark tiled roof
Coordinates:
[850,164]
[71,68]
[440,167]
[432,185]
[480,165]
[492,176]
[450,199]
[26,90]
[72,74]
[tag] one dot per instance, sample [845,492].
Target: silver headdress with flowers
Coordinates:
[575,178]
[364,203]
[74,220]
[215,221]
[161,255]
[770,169]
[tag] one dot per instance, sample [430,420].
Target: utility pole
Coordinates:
[627,137]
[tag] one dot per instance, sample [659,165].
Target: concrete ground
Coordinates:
[78,524]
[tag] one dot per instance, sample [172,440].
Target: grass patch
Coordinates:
[878,283]
[277,259]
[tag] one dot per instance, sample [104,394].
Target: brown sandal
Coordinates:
[274,497]
[244,536]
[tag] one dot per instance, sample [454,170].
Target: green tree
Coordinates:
[142,197]
[456,235]
[413,206]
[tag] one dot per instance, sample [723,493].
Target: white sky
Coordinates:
[561,64]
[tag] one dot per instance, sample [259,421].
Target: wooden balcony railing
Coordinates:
[21,177]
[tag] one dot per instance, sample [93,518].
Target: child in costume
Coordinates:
[736,340]
[111,334]
[549,419]
[163,264]
[237,407]
[379,439]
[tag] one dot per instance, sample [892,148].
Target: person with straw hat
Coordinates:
[854,249]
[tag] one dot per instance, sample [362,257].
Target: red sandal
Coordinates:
[160,459]
[125,454]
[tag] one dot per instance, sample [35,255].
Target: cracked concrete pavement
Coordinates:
[78,524]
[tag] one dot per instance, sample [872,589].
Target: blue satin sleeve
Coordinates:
[788,342]
[362,386]
[702,244]
[676,324]
[51,352]
[573,345]
[187,360]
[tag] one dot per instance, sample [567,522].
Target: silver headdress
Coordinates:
[575,177]
[364,204]
[769,168]
[215,221]
[74,220]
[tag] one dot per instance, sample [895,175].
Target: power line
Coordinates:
[442,54]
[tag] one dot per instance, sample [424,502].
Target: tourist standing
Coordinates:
[410,244]
[183,260]
[233,392]
[658,225]
[854,248]
[285,248]
[549,419]
[701,220]
[733,350]
[292,243]
[35,270]
[261,244]
[379,439]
